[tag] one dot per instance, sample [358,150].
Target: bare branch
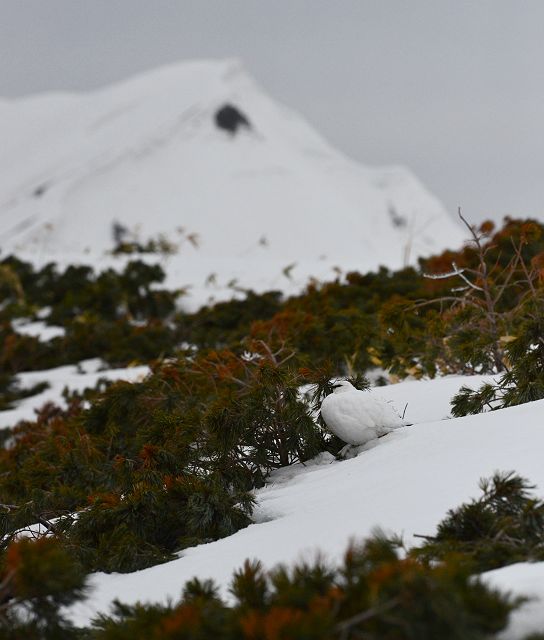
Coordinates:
[345,626]
[517,249]
[476,238]
[455,272]
[9,507]
[465,279]
[459,299]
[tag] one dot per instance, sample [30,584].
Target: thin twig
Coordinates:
[344,626]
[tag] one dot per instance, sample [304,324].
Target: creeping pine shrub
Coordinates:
[227,322]
[524,379]
[120,317]
[156,466]
[373,593]
[132,292]
[37,579]
[503,526]
[398,321]
[153,517]
[10,391]
[262,424]
[471,307]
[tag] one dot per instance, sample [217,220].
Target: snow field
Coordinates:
[403,485]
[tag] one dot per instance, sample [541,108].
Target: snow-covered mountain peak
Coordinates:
[199,146]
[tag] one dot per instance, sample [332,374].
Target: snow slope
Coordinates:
[404,484]
[527,580]
[147,153]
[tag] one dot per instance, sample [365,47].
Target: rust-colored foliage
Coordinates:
[185,620]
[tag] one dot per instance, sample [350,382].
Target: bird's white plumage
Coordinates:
[357,417]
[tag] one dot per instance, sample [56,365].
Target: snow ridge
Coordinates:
[147,153]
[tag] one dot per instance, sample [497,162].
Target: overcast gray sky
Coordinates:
[453,89]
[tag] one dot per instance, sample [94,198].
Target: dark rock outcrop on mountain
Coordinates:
[231,119]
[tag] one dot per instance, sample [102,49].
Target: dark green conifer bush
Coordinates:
[120,317]
[429,592]
[475,301]
[37,579]
[373,593]
[503,526]
[523,381]
[132,292]
[413,325]
[11,392]
[227,323]
[156,466]
[395,320]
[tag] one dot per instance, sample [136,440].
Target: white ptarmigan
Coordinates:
[357,417]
